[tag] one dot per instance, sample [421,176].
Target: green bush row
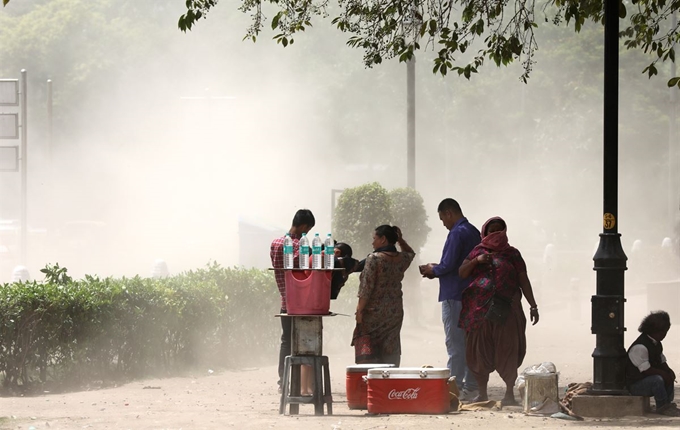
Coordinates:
[102,329]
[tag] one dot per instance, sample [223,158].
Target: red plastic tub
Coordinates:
[355,384]
[308,292]
[408,390]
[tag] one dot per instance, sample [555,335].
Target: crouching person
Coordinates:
[647,372]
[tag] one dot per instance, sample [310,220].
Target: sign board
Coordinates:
[9,158]
[9,92]
[9,125]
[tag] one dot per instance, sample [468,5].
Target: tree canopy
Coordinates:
[464,34]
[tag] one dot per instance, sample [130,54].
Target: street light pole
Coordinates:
[411,123]
[49,124]
[609,356]
[673,112]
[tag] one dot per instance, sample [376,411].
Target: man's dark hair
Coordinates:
[449,205]
[655,322]
[304,217]
[388,232]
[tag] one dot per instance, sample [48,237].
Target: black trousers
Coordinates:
[286,335]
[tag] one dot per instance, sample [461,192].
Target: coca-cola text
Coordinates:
[407,394]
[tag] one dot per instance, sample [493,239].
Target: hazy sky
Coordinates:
[174,146]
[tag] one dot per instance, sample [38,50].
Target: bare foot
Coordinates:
[509,401]
[480,398]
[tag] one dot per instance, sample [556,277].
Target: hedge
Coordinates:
[100,329]
[73,332]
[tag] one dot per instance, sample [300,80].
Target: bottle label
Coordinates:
[330,250]
[287,249]
[304,250]
[316,249]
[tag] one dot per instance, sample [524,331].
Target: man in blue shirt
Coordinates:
[462,237]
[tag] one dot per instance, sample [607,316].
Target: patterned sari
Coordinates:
[384,312]
[493,346]
[504,276]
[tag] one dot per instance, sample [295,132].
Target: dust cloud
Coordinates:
[165,155]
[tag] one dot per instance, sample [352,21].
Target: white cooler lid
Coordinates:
[410,373]
[363,368]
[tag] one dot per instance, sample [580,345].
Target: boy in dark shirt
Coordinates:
[343,259]
[647,372]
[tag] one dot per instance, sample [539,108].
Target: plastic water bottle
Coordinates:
[316,252]
[329,252]
[287,252]
[304,252]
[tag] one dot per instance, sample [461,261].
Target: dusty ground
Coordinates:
[247,398]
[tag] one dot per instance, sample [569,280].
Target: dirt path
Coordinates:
[247,398]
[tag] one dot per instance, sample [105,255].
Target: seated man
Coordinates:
[647,373]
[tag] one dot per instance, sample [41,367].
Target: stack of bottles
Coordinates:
[308,293]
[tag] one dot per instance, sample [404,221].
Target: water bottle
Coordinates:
[304,252]
[287,252]
[316,252]
[329,252]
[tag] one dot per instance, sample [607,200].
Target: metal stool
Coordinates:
[290,385]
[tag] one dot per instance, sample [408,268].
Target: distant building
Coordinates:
[254,241]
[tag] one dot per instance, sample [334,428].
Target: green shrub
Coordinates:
[408,212]
[359,211]
[103,329]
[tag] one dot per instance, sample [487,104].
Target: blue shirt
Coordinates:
[462,238]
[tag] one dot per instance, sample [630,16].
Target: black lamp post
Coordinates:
[609,356]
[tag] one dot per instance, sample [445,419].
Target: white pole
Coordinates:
[24,164]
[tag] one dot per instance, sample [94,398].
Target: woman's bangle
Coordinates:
[533,308]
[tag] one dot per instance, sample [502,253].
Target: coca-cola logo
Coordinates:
[407,394]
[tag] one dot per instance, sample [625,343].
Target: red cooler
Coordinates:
[308,292]
[408,390]
[356,384]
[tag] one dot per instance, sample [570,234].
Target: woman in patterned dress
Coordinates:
[495,266]
[380,310]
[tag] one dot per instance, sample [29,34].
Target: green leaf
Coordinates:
[275,20]
[651,70]
[673,81]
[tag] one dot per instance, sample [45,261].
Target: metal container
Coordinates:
[538,388]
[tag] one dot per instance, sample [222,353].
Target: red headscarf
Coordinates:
[496,241]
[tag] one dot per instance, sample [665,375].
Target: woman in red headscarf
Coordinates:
[495,267]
